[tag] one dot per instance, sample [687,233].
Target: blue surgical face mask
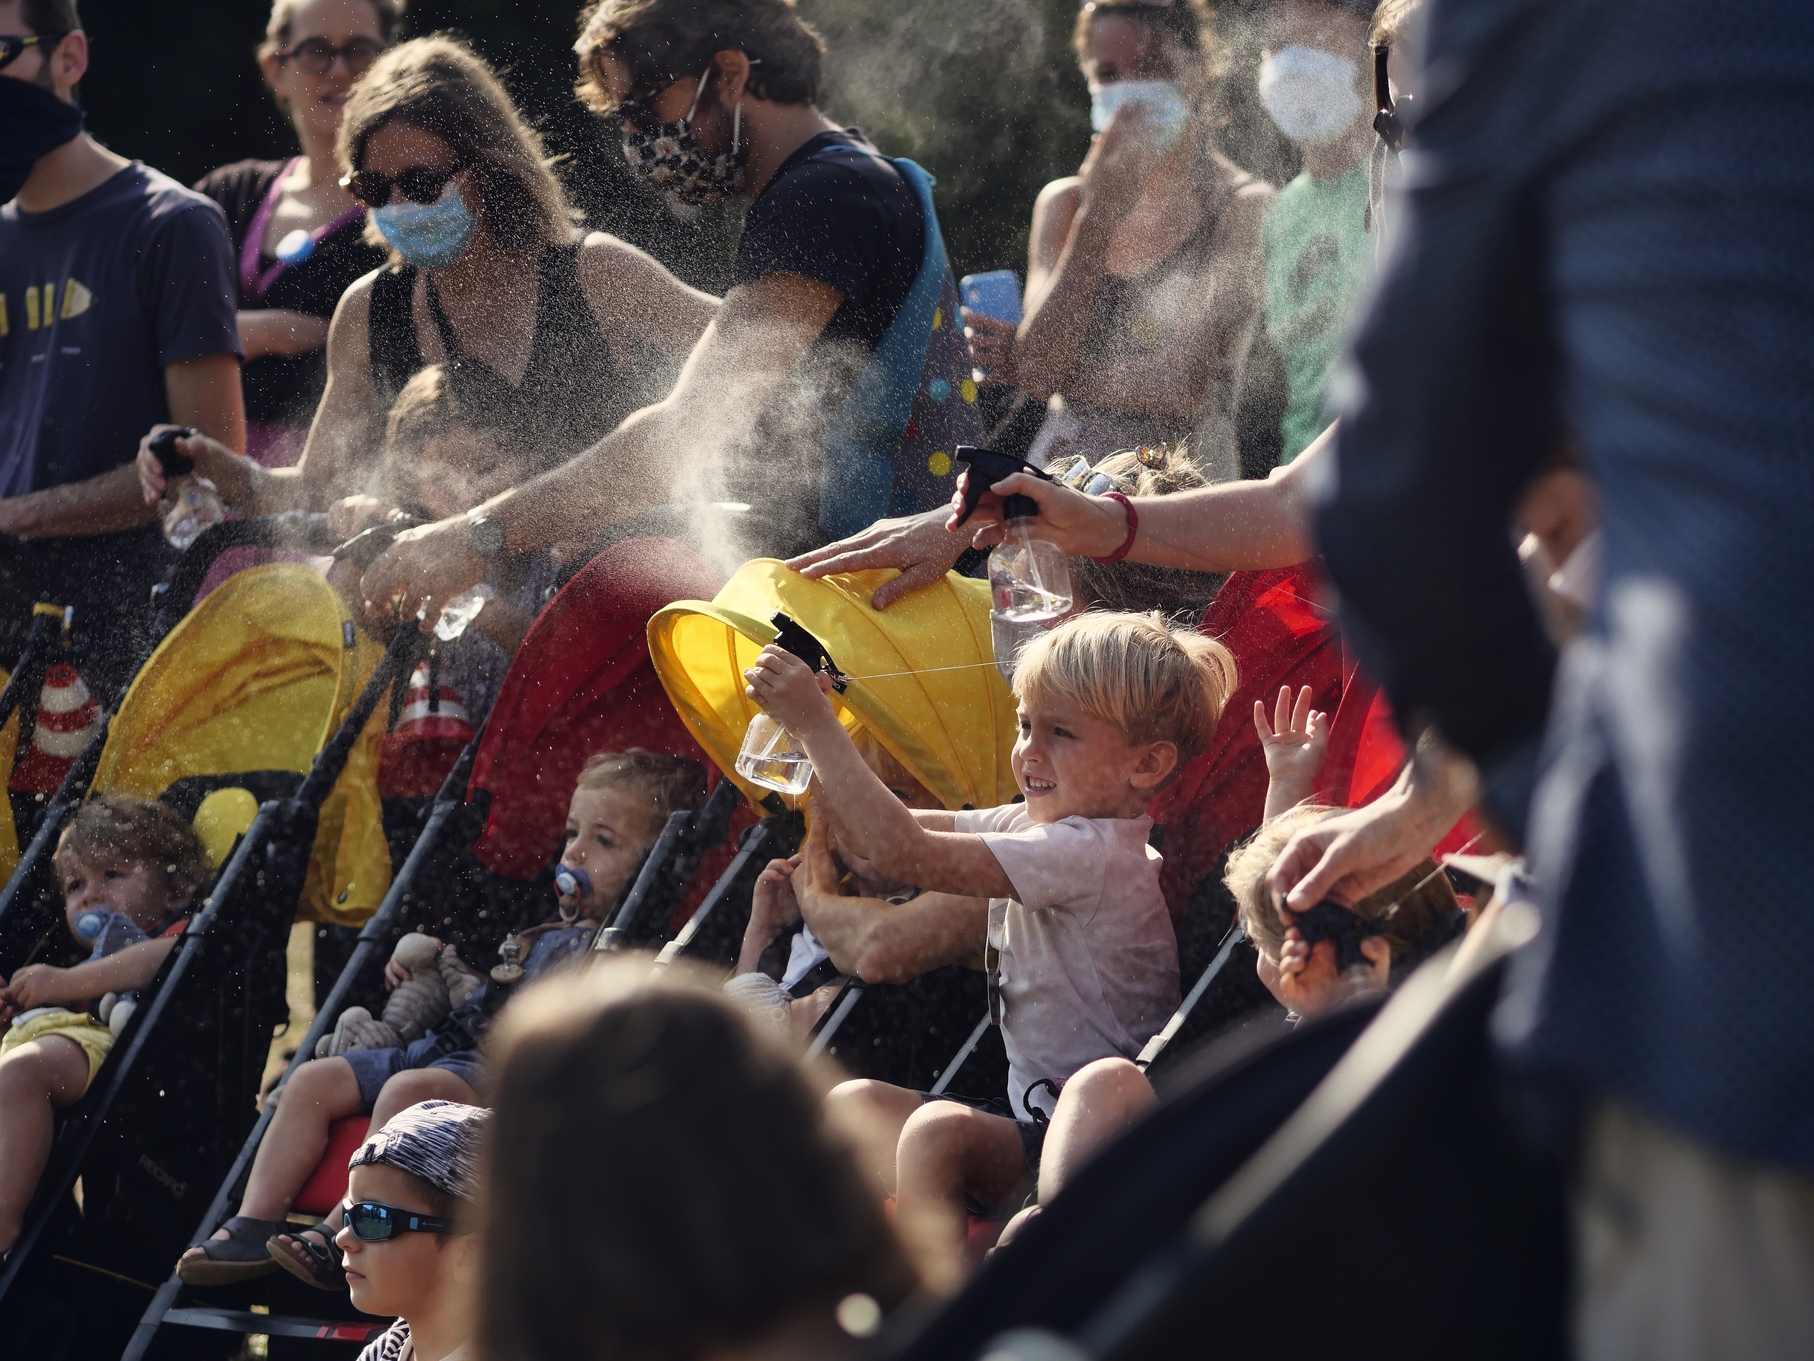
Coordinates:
[1310,93]
[429,235]
[1166,111]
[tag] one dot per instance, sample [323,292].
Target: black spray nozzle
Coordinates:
[1343,927]
[790,637]
[163,448]
[987,467]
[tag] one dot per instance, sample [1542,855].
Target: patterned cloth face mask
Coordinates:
[668,155]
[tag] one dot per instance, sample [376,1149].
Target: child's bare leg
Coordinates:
[1099,1101]
[36,1081]
[318,1093]
[415,1085]
[947,1151]
[871,1114]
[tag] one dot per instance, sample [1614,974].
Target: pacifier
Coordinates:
[90,923]
[574,884]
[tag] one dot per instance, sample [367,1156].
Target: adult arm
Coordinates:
[280,330]
[761,332]
[202,392]
[343,442]
[1229,527]
[1073,223]
[1175,379]
[41,985]
[878,941]
[635,297]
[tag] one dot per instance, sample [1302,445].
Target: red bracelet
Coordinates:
[1133,528]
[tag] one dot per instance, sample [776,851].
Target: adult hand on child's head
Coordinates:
[1083,526]
[919,545]
[789,690]
[1344,858]
[1296,740]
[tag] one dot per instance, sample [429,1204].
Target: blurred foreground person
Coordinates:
[296,232]
[663,1185]
[116,313]
[1608,224]
[835,381]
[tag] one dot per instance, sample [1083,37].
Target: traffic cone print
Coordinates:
[67,720]
[426,742]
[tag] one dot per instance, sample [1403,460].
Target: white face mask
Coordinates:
[1310,93]
[1166,111]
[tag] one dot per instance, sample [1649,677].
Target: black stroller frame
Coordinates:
[223,992]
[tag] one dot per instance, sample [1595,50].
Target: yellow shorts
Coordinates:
[95,1038]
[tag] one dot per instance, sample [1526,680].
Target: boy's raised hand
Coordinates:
[789,690]
[1297,739]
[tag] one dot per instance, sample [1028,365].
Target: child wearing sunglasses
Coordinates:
[408,1230]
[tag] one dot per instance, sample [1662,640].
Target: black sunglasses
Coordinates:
[373,1221]
[419,183]
[13,45]
[317,55]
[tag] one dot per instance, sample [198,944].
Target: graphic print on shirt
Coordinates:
[39,305]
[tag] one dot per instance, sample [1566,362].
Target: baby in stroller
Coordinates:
[619,806]
[131,872]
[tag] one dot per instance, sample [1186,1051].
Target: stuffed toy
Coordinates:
[438,982]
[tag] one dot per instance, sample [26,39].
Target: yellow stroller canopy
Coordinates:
[257,678]
[923,678]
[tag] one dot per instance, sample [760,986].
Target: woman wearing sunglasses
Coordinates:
[553,337]
[409,1237]
[296,238]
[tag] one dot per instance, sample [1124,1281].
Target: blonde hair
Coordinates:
[669,783]
[1390,20]
[119,827]
[441,86]
[1406,910]
[1152,680]
[1160,470]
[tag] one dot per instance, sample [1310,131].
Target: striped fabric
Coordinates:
[437,1141]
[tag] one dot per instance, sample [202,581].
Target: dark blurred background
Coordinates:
[984,93]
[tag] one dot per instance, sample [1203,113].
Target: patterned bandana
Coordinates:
[668,155]
[437,1141]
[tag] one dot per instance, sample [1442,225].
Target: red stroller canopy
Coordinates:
[581,683]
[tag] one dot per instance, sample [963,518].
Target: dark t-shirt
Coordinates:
[96,297]
[286,388]
[849,220]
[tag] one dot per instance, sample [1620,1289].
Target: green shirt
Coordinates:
[1319,257]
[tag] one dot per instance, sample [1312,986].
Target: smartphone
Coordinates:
[995,294]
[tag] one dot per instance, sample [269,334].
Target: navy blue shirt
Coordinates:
[96,297]
[100,294]
[1606,230]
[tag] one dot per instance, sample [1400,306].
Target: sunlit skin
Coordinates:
[50,1073]
[429,1280]
[311,196]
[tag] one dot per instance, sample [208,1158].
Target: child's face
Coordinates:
[607,832]
[460,469]
[401,1275]
[1071,763]
[133,887]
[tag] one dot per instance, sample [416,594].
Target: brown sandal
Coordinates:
[240,1256]
[317,1264]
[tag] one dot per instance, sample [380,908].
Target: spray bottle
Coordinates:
[771,756]
[1029,577]
[192,504]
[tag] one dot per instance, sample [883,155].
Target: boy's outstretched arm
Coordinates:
[913,846]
